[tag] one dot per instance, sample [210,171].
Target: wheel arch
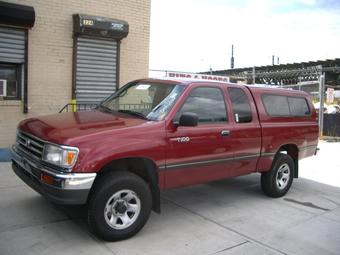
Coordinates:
[293,151]
[142,167]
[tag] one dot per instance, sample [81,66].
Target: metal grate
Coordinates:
[95,69]
[30,145]
[12,45]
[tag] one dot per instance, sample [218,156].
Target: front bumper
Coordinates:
[64,188]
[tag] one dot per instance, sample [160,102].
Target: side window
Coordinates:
[298,106]
[283,106]
[276,105]
[9,82]
[241,106]
[207,103]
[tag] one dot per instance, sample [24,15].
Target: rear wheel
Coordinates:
[278,180]
[120,206]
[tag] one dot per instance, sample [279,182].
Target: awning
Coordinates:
[16,15]
[100,26]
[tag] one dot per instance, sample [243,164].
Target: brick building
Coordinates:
[57,50]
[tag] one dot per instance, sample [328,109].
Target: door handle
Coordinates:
[225,132]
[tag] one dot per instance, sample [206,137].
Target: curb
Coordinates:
[331,139]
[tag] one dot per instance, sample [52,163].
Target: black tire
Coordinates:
[112,184]
[271,183]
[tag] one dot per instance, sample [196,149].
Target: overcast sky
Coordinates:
[194,35]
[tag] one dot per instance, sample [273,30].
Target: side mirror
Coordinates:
[188,119]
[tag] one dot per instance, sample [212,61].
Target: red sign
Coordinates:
[195,76]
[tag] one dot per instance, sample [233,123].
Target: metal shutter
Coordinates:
[95,69]
[12,45]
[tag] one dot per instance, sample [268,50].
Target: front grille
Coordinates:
[30,145]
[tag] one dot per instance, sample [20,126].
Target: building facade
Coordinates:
[57,50]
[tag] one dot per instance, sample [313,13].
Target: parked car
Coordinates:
[152,135]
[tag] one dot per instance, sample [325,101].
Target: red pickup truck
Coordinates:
[153,135]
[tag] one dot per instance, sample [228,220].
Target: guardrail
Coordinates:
[77,107]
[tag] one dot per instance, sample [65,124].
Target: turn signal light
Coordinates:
[47,179]
[70,157]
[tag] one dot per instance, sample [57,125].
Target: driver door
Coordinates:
[204,152]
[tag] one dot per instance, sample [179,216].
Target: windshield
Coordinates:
[150,101]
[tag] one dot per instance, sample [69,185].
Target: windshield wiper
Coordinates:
[104,108]
[138,114]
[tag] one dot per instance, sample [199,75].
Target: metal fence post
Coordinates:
[74,105]
[322,99]
[254,75]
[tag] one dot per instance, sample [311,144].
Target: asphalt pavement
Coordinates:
[223,217]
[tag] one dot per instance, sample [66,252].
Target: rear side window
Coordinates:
[280,106]
[207,103]
[241,106]
[298,106]
[276,105]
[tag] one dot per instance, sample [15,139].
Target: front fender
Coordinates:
[94,156]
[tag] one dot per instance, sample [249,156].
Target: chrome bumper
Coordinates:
[66,188]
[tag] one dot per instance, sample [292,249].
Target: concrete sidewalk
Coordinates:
[325,166]
[224,217]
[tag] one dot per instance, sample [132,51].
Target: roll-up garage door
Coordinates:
[12,45]
[96,69]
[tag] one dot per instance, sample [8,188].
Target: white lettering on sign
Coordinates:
[195,76]
[117,26]
[88,22]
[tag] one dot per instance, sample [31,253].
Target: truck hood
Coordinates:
[62,128]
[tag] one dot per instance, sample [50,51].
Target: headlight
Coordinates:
[60,156]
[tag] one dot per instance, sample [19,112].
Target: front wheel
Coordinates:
[120,206]
[278,180]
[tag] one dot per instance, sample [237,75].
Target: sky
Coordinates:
[196,35]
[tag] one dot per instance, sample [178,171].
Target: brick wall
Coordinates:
[50,53]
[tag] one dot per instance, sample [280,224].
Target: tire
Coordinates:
[119,206]
[278,180]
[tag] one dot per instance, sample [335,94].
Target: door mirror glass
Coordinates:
[188,119]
